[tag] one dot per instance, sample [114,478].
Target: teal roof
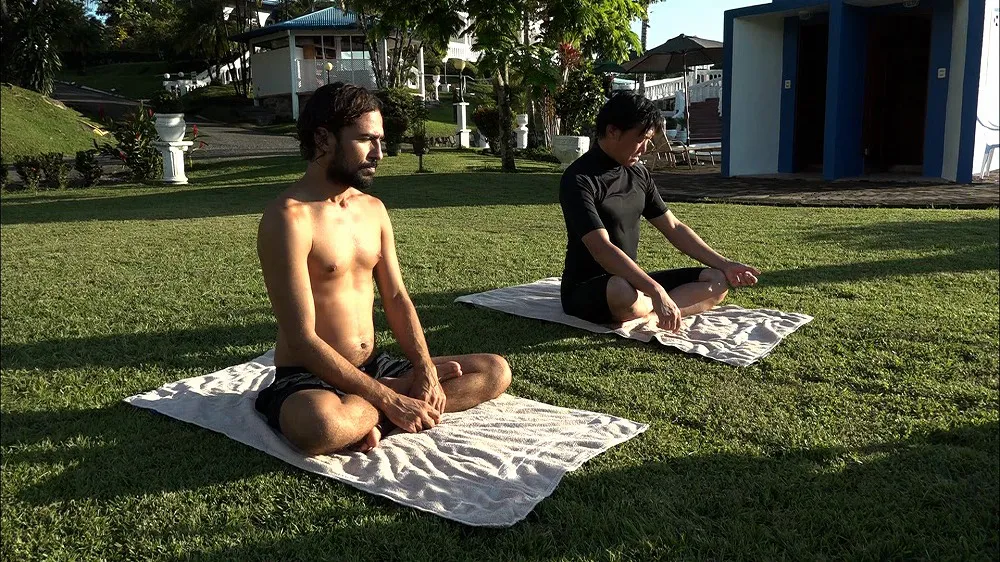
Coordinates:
[328,18]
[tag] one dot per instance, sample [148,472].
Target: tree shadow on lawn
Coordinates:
[958,246]
[930,496]
[120,452]
[398,192]
[209,348]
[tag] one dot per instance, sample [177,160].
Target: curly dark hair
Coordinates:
[627,110]
[332,107]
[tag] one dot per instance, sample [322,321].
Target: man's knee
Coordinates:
[499,375]
[718,285]
[624,301]
[321,426]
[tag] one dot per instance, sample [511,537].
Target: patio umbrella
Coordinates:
[678,55]
[609,66]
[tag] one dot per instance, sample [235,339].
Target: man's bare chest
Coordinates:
[343,246]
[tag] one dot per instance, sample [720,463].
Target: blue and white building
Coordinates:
[848,88]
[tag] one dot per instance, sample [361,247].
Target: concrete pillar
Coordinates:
[521,133]
[420,67]
[173,160]
[463,129]
[293,73]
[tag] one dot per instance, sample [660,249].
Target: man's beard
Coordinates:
[339,172]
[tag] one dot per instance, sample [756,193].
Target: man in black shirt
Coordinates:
[603,194]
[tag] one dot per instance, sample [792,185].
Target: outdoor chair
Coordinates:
[663,148]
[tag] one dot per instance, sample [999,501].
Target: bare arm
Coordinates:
[284,239]
[687,240]
[617,262]
[403,321]
[399,310]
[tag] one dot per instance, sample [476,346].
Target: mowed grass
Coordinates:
[32,124]
[869,434]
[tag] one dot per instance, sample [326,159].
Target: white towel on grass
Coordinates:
[488,466]
[731,334]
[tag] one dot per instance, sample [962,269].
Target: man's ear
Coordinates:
[325,142]
[613,133]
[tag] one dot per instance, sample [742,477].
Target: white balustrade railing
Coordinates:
[462,51]
[313,73]
[705,90]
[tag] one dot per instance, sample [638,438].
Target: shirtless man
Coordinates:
[603,194]
[320,244]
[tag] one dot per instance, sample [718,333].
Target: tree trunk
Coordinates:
[506,123]
[645,34]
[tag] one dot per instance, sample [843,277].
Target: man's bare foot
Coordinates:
[449,370]
[401,384]
[368,442]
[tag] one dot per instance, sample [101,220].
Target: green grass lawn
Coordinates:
[869,434]
[135,80]
[31,123]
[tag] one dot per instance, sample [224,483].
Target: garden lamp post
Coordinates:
[328,66]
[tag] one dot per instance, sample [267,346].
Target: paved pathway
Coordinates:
[705,184]
[221,140]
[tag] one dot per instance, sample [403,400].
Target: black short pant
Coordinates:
[288,380]
[588,299]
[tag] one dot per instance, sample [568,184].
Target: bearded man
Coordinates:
[323,245]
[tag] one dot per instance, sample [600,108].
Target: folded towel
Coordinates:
[488,466]
[730,334]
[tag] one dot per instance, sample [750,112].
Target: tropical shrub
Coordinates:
[88,166]
[56,172]
[397,110]
[30,170]
[577,102]
[134,136]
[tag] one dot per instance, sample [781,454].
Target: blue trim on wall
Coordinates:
[970,90]
[790,6]
[727,88]
[789,71]
[937,88]
[845,98]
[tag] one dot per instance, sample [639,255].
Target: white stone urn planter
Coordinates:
[170,126]
[568,148]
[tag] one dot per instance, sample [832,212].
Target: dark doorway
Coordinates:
[810,97]
[899,48]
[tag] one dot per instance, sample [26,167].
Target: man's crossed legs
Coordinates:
[319,419]
[608,299]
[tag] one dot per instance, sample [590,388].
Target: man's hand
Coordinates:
[427,386]
[668,316]
[410,414]
[740,275]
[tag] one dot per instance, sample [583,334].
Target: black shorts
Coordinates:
[588,299]
[288,380]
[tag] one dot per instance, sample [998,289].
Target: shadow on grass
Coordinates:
[190,349]
[121,451]
[398,192]
[951,247]
[931,497]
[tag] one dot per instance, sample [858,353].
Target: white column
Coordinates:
[463,130]
[173,160]
[293,73]
[521,133]
[385,60]
[420,66]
